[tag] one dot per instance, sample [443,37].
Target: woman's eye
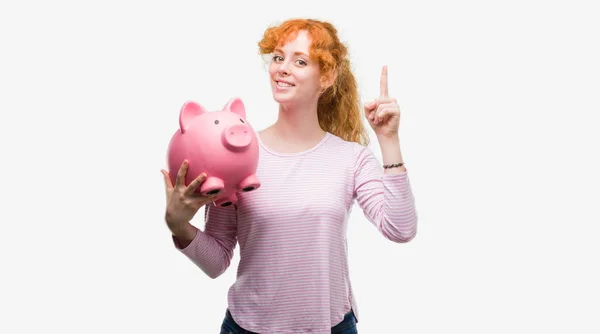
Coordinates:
[277,58]
[242,120]
[301,62]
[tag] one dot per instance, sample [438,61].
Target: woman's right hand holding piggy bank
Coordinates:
[183,204]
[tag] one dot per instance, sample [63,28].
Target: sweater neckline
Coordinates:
[281,154]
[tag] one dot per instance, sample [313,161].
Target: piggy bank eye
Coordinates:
[217,121]
[242,120]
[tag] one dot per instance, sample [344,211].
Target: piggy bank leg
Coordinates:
[211,186]
[249,183]
[227,201]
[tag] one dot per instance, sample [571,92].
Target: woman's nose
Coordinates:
[283,68]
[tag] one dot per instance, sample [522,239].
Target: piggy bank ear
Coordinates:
[189,111]
[235,105]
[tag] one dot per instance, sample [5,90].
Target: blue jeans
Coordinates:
[347,326]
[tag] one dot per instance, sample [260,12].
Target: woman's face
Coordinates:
[294,76]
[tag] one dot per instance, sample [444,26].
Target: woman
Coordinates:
[314,163]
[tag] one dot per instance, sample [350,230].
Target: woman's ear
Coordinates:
[328,81]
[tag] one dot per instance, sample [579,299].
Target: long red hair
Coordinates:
[339,109]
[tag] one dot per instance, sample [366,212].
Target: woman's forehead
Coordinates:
[296,42]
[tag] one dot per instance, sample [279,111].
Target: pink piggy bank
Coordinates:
[221,144]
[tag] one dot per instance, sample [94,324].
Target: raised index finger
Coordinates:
[383,83]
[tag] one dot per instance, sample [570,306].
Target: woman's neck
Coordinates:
[298,124]
[296,129]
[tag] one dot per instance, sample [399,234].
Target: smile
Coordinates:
[284,84]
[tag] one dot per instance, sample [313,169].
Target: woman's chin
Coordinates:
[282,98]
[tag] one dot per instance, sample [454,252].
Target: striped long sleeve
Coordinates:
[212,249]
[386,199]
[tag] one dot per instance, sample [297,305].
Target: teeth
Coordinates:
[283,84]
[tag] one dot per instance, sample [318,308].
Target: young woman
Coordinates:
[314,163]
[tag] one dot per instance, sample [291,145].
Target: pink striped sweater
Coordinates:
[293,271]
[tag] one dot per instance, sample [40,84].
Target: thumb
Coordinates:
[167,179]
[369,107]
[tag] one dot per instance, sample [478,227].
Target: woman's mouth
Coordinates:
[284,84]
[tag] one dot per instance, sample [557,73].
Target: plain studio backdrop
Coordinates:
[498,130]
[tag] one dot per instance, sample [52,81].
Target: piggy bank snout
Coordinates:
[237,137]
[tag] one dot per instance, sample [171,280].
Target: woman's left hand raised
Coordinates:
[383,114]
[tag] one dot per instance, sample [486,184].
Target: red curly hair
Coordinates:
[339,109]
